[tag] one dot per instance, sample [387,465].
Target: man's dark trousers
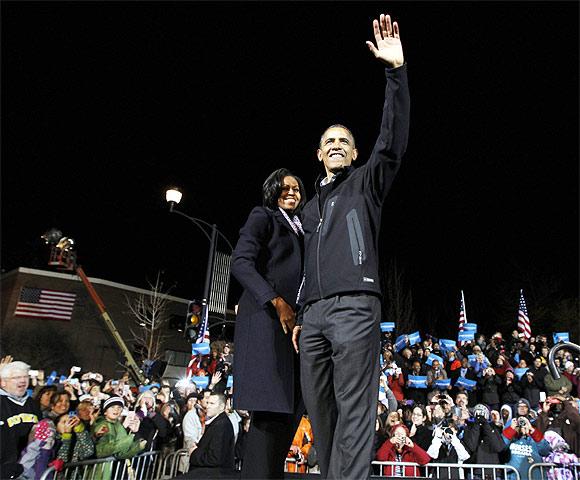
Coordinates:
[339,363]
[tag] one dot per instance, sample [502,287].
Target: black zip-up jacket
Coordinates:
[341,236]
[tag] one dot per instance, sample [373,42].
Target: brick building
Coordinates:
[84,339]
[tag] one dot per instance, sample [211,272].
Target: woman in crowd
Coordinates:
[267,262]
[401,448]
[42,398]
[420,433]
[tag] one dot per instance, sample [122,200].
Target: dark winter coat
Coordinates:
[214,455]
[484,441]
[267,261]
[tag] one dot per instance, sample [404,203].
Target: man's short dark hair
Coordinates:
[338,125]
[221,397]
[272,189]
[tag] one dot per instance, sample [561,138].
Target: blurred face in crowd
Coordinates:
[435,365]
[522,364]
[204,400]
[45,399]
[214,406]
[191,403]
[545,352]
[537,362]
[85,409]
[15,382]
[61,404]
[393,419]
[148,402]
[401,435]
[416,366]
[95,391]
[113,413]
[417,416]
[523,410]
[461,400]
[407,353]
[226,346]
[465,362]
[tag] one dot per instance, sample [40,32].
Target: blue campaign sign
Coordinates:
[200,348]
[400,342]
[465,336]
[387,326]
[51,378]
[414,338]
[446,344]
[465,383]
[417,381]
[62,378]
[432,357]
[200,382]
[519,372]
[470,327]
[561,337]
[442,384]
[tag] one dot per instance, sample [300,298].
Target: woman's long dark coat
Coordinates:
[267,261]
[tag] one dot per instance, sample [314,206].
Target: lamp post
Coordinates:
[173,197]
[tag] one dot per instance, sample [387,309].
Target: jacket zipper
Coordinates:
[318,230]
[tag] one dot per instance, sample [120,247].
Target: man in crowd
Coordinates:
[18,414]
[213,456]
[340,335]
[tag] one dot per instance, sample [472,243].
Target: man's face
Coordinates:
[214,407]
[537,362]
[461,400]
[435,364]
[416,366]
[336,150]
[16,383]
[289,199]
[523,410]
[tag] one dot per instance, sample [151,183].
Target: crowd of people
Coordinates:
[512,412]
[486,401]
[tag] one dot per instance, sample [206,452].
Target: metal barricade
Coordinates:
[170,466]
[146,466]
[552,471]
[463,471]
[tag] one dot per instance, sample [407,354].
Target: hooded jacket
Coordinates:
[525,450]
[341,235]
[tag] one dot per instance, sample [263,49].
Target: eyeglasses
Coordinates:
[18,377]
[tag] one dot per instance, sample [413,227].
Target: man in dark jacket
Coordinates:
[341,306]
[483,440]
[18,414]
[213,457]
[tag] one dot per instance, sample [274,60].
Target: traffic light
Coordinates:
[192,321]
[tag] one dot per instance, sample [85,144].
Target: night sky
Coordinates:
[105,105]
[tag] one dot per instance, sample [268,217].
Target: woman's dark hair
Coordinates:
[42,390]
[56,397]
[272,189]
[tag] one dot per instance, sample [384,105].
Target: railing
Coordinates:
[146,466]
[551,471]
[172,462]
[447,470]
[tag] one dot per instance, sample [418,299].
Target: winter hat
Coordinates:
[481,409]
[524,401]
[112,401]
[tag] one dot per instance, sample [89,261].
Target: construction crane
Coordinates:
[63,257]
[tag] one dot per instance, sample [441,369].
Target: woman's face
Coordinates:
[393,418]
[417,416]
[94,391]
[62,405]
[191,403]
[290,197]
[45,399]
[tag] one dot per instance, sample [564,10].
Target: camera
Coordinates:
[448,431]
[522,422]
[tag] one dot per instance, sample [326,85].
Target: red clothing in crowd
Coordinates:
[396,385]
[388,453]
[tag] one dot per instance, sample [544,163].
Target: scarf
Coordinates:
[294,222]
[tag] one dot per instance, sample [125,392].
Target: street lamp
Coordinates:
[173,197]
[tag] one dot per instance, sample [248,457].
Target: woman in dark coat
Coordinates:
[267,262]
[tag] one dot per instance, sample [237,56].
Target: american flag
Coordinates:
[43,303]
[523,319]
[462,315]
